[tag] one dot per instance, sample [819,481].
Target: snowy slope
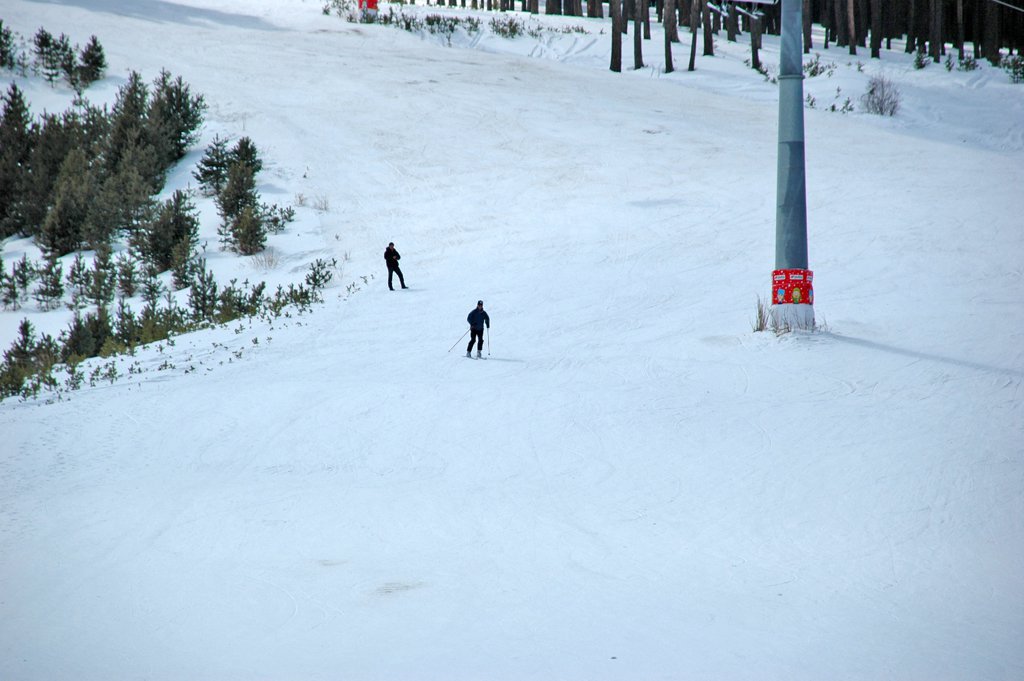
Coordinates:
[634,485]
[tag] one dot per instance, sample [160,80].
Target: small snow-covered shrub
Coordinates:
[845,107]
[815,67]
[321,273]
[1014,66]
[968,63]
[441,25]
[346,9]
[882,97]
[507,27]
[920,58]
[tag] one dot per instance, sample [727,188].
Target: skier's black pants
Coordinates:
[395,270]
[477,336]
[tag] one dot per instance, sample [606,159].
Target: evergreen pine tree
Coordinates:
[85,336]
[78,282]
[212,170]
[102,279]
[239,193]
[47,59]
[183,263]
[245,152]
[22,350]
[126,324]
[202,298]
[65,56]
[9,295]
[16,142]
[127,275]
[145,158]
[54,136]
[94,127]
[152,288]
[51,285]
[76,343]
[249,232]
[175,220]
[28,363]
[174,116]
[123,203]
[93,64]
[73,193]
[19,361]
[128,121]
[23,273]
[7,51]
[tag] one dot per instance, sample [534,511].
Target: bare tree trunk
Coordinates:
[979,22]
[709,43]
[552,7]
[876,29]
[990,43]
[807,26]
[935,31]
[863,21]
[669,15]
[911,26]
[638,32]
[840,22]
[960,29]
[755,41]
[889,20]
[645,16]
[615,9]
[826,21]
[694,21]
[671,21]
[851,13]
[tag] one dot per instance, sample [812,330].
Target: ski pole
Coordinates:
[488,341]
[459,341]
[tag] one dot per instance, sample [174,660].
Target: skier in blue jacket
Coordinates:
[477,318]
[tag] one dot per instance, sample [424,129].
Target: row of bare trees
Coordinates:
[926,25]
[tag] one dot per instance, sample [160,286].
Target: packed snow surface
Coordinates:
[633,485]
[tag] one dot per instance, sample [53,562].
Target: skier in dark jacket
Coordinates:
[391,258]
[477,318]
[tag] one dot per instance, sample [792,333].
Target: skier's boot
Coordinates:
[469,353]
[479,354]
